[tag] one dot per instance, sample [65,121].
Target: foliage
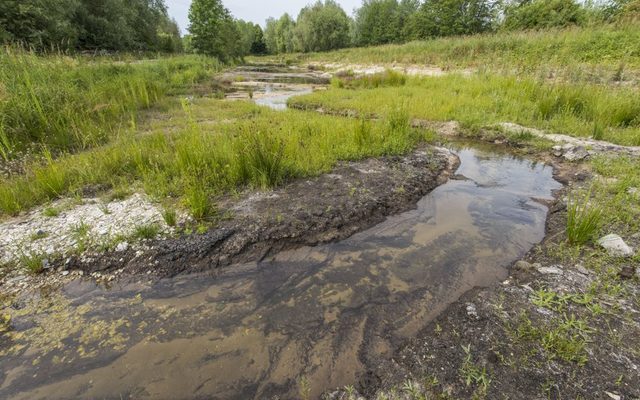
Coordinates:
[251,38]
[454,17]
[383,21]
[279,35]
[322,26]
[543,14]
[115,25]
[213,31]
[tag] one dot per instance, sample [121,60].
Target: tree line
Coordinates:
[143,25]
[113,25]
[397,21]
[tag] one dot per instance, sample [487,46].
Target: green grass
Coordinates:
[583,219]
[148,231]
[604,52]
[240,145]
[65,104]
[484,99]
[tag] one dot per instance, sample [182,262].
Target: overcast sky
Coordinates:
[256,11]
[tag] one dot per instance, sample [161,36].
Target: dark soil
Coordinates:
[331,207]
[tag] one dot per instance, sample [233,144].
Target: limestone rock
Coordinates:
[615,246]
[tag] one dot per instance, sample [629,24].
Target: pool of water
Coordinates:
[303,321]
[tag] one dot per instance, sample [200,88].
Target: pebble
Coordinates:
[550,270]
[122,246]
[580,268]
[472,311]
[65,273]
[615,246]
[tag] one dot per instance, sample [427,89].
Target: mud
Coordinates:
[331,207]
[296,323]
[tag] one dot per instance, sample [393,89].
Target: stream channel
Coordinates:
[302,321]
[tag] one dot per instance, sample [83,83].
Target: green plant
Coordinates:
[170,216]
[473,374]
[33,262]
[583,219]
[147,231]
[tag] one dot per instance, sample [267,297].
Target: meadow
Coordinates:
[599,53]
[585,110]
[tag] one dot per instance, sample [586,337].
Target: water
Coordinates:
[276,97]
[311,318]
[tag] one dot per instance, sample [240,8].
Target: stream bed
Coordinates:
[299,323]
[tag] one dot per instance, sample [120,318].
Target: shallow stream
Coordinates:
[301,322]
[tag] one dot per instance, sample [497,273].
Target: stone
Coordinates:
[580,268]
[613,396]
[554,270]
[122,246]
[472,311]
[576,153]
[626,272]
[615,246]
[522,266]
[633,191]
[65,273]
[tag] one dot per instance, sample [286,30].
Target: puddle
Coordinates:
[299,323]
[272,86]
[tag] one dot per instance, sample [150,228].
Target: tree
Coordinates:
[543,14]
[279,35]
[454,17]
[251,38]
[322,26]
[38,23]
[213,31]
[383,21]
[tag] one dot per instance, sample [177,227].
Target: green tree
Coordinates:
[322,26]
[383,21]
[39,23]
[279,35]
[213,31]
[543,14]
[454,17]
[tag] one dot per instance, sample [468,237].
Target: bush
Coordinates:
[544,14]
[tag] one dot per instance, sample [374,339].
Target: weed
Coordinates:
[38,235]
[51,212]
[473,374]
[33,262]
[583,219]
[147,231]
[170,216]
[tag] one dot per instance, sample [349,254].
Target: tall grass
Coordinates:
[606,46]
[583,219]
[201,161]
[68,104]
[611,114]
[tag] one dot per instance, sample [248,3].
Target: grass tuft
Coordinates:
[583,219]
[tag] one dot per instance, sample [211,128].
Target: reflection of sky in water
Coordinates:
[317,312]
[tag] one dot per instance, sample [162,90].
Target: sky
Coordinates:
[256,11]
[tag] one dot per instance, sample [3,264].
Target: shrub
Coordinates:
[544,14]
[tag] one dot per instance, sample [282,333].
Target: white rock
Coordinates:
[122,246]
[550,270]
[472,311]
[615,246]
[613,396]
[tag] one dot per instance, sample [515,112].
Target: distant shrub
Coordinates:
[544,14]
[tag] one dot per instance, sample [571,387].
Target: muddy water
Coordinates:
[272,86]
[299,323]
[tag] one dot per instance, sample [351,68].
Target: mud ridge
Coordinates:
[331,207]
